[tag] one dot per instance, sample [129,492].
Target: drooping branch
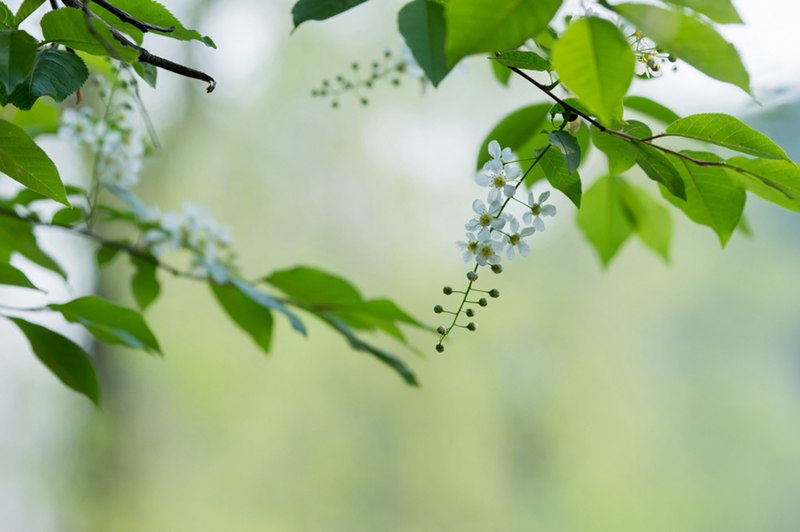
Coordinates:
[130,19]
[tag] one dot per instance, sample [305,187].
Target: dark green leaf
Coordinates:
[6,17]
[475,26]
[56,73]
[727,131]
[17,55]
[144,283]
[22,160]
[109,323]
[147,72]
[524,60]
[25,10]
[604,218]
[595,61]
[689,39]
[650,108]
[651,219]
[254,318]
[68,217]
[16,236]
[721,11]
[421,23]
[659,169]
[555,169]
[517,131]
[774,180]
[11,276]
[621,154]
[105,254]
[305,10]
[68,27]
[568,146]
[66,359]
[269,302]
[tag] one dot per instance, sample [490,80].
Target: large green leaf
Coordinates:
[305,10]
[773,180]
[604,218]
[25,10]
[650,108]
[25,162]
[421,23]
[109,323]
[56,73]
[68,26]
[44,117]
[253,318]
[517,131]
[689,39]
[727,131]
[659,169]
[621,154]
[11,276]
[523,59]
[569,148]
[651,219]
[312,287]
[144,283]
[16,236]
[712,198]
[17,55]
[267,301]
[595,61]
[554,168]
[66,359]
[475,26]
[721,11]
[6,18]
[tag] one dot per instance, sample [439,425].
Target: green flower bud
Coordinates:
[441,330]
[438,309]
[482,302]
[447,290]
[472,276]
[440,348]
[471,326]
[494,292]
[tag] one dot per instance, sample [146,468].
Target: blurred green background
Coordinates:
[647,397]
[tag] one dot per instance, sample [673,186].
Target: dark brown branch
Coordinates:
[130,19]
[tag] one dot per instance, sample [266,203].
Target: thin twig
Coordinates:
[130,19]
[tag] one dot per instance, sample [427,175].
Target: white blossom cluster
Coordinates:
[493,230]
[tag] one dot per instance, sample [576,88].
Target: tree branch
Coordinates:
[130,19]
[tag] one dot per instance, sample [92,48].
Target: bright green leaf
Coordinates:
[253,318]
[25,10]
[651,219]
[650,108]
[501,73]
[6,18]
[267,301]
[17,55]
[68,27]
[105,254]
[311,287]
[523,59]
[517,131]
[44,117]
[144,283]
[773,180]
[66,359]
[68,216]
[569,148]
[147,72]
[422,25]
[659,169]
[595,61]
[621,154]
[554,168]
[25,162]
[16,236]
[727,131]
[604,218]
[475,26]
[689,39]
[56,73]
[109,323]
[721,11]
[305,10]
[11,276]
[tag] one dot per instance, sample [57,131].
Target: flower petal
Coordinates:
[538,224]
[543,196]
[494,149]
[478,207]
[524,249]
[507,155]
[549,210]
[513,172]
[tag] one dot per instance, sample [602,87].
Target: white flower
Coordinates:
[504,156]
[469,247]
[513,240]
[500,178]
[485,219]
[488,252]
[537,210]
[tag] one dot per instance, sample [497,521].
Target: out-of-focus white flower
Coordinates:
[488,252]
[537,209]
[513,240]
[468,247]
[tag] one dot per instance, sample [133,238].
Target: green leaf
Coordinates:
[568,146]
[721,11]
[359,345]
[305,10]
[6,18]
[252,317]
[422,25]
[25,162]
[144,283]
[312,287]
[524,60]
[621,154]
[68,27]
[554,167]
[712,198]
[604,218]
[689,39]
[147,72]
[501,73]
[44,117]
[109,323]
[68,217]
[651,108]
[66,359]
[11,276]
[105,254]
[16,236]
[775,181]
[659,169]
[267,301]
[56,73]
[651,219]
[17,55]
[726,131]
[25,10]
[517,131]
[475,26]
[595,61]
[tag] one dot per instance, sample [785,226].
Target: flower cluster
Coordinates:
[649,58]
[494,231]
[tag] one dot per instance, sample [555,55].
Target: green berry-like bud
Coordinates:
[494,292]
[396,82]
[364,101]
[438,309]
[334,104]
[447,290]
[469,312]
[472,276]
[354,66]
[482,302]
[471,326]
[496,268]
[440,348]
[441,330]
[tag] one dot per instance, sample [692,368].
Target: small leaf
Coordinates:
[147,72]
[595,61]
[144,283]
[25,162]
[651,108]
[252,317]
[689,39]
[568,146]
[773,180]
[66,359]
[11,276]
[555,170]
[517,131]
[651,219]
[421,23]
[25,10]
[68,217]
[523,59]
[659,169]
[305,10]
[109,323]
[56,73]
[721,11]
[475,26]
[105,254]
[501,73]
[267,301]
[67,26]
[604,218]
[16,236]
[727,131]
[621,154]
[17,55]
